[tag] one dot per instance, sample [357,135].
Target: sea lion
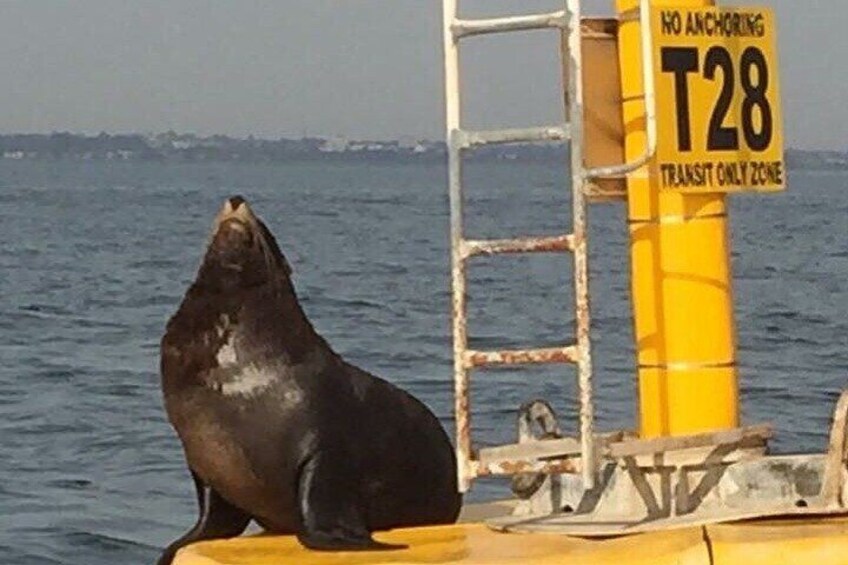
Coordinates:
[277,427]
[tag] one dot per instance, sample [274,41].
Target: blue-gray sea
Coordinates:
[96,256]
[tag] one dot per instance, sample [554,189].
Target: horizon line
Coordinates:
[151,134]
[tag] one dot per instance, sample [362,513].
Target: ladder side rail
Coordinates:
[465,472]
[574,111]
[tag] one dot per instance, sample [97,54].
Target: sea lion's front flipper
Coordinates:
[331,516]
[217,519]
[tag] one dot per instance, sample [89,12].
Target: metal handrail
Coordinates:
[650,103]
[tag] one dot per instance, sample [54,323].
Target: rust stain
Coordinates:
[521,356]
[559,243]
[525,466]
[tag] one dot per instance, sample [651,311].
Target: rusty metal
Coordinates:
[574,111]
[833,486]
[460,341]
[520,466]
[460,332]
[458,140]
[560,243]
[566,354]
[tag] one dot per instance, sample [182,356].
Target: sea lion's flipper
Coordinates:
[217,519]
[331,517]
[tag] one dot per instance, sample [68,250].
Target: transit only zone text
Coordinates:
[722,175]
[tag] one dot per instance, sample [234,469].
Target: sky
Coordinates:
[353,68]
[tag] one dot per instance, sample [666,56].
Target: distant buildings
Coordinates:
[172,146]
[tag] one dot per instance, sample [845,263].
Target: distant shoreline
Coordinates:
[189,148]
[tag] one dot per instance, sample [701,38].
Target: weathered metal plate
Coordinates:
[629,499]
[677,482]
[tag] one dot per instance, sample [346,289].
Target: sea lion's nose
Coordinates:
[235,208]
[235,202]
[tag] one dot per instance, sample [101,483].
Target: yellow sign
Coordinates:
[719,123]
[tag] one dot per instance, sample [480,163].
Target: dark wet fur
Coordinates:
[325,451]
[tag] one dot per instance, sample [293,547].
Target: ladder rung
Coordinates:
[463,28]
[468,138]
[566,354]
[471,248]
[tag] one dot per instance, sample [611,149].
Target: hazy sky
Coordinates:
[358,68]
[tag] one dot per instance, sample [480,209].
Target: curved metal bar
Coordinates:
[650,103]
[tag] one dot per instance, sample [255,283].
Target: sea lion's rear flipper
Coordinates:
[217,519]
[332,518]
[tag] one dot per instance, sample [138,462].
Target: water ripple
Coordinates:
[93,473]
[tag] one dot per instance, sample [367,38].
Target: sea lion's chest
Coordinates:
[210,433]
[239,449]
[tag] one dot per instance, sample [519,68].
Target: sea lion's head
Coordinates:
[242,253]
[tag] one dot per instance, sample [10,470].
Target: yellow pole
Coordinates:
[681,282]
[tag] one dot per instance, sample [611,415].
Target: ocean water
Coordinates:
[96,256]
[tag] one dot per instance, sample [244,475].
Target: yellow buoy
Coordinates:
[791,542]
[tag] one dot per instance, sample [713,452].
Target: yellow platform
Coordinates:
[773,542]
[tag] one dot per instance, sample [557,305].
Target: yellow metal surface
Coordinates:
[682,295]
[467,544]
[720,125]
[665,388]
[781,542]
[685,297]
[777,542]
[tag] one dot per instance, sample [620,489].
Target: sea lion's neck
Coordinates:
[247,326]
[269,318]
[291,330]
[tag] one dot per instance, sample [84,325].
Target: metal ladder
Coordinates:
[470,464]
